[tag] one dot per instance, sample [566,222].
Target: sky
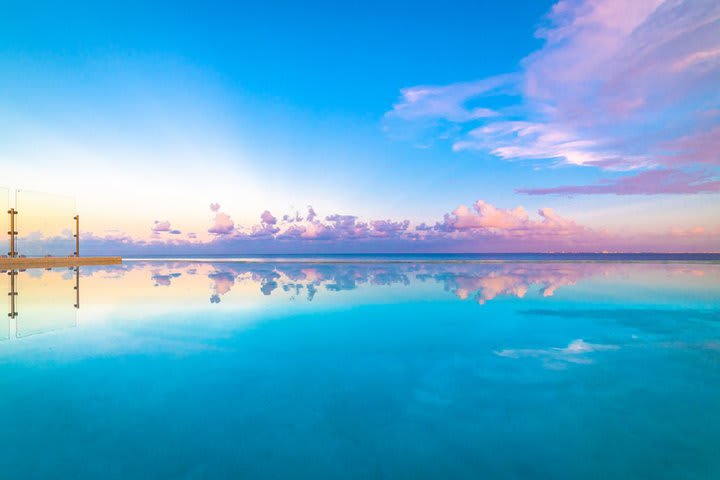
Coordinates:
[293,127]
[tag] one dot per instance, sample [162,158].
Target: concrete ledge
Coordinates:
[49,262]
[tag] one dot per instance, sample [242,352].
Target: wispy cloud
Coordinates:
[448,102]
[644,183]
[617,85]
[557,358]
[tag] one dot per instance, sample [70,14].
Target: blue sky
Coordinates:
[275,106]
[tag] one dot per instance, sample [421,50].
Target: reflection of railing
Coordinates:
[77,287]
[12,293]
[37,316]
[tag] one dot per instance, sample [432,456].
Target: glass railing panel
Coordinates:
[5,319]
[45,301]
[4,222]
[45,224]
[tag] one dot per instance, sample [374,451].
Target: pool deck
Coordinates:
[50,262]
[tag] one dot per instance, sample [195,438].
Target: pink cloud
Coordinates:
[643,183]
[161,226]
[486,221]
[288,218]
[699,148]
[222,223]
[222,282]
[264,230]
[268,218]
[690,232]
[315,230]
[347,226]
[485,216]
[386,228]
[164,280]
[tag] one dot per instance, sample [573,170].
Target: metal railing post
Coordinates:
[77,235]
[12,233]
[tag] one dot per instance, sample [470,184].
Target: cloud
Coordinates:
[268,218]
[222,284]
[644,183]
[483,220]
[447,102]
[484,216]
[617,85]
[161,226]
[222,223]
[267,228]
[288,218]
[387,228]
[576,352]
[346,226]
[164,280]
[697,232]
[700,148]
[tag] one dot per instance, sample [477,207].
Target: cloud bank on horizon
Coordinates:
[630,88]
[481,227]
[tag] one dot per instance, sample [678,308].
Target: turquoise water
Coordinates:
[535,370]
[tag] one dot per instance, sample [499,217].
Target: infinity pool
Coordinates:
[536,370]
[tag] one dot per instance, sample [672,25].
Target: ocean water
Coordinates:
[397,368]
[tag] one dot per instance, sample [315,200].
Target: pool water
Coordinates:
[508,370]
